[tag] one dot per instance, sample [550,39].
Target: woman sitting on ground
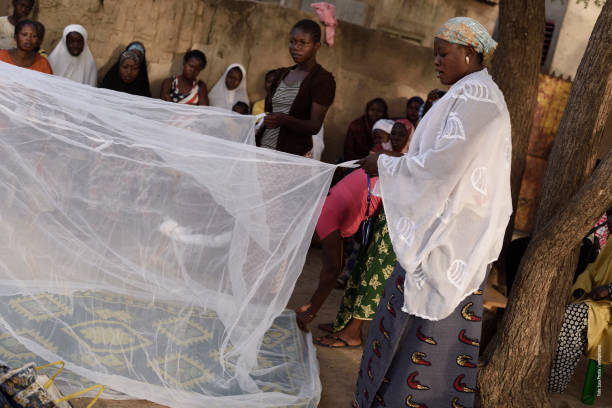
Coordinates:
[72,58]
[125,79]
[25,55]
[344,209]
[300,95]
[140,85]
[373,266]
[186,88]
[359,140]
[231,88]
[21,11]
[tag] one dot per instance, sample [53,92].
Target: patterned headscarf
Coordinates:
[469,32]
[133,55]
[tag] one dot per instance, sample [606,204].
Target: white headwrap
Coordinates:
[447,201]
[386,125]
[80,69]
[222,97]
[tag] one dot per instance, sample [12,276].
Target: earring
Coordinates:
[467,60]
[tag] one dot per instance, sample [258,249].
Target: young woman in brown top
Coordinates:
[300,95]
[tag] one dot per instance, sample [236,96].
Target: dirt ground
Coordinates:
[339,366]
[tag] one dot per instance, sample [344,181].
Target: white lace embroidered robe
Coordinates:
[447,201]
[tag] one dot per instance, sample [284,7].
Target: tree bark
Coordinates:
[517,371]
[515,69]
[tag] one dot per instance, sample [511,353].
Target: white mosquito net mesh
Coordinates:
[149,256]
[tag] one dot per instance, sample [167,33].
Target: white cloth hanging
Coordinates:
[81,68]
[447,201]
[221,97]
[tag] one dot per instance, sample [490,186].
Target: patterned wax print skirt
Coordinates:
[373,266]
[419,363]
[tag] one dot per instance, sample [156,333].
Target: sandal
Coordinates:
[345,344]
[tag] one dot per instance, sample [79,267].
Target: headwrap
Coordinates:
[140,86]
[221,97]
[469,32]
[383,124]
[133,55]
[136,46]
[81,68]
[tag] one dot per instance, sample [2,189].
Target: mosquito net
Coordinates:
[143,246]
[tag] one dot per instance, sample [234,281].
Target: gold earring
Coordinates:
[467,60]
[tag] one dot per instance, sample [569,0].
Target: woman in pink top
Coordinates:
[345,208]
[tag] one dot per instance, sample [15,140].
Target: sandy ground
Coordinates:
[339,366]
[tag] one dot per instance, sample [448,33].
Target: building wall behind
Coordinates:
[366,63]
[574,34]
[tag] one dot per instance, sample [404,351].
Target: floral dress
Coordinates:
[373,266]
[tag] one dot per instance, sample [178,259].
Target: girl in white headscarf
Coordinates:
[71,57]
[231,88]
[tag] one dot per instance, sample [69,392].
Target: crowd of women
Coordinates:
[414,229]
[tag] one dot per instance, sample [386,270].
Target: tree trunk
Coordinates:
[517,371]
[515,69]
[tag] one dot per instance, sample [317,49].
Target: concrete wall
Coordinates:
[574,34]
[410,19]
[366,63]
[555,11]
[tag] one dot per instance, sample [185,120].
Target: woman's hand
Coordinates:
[369,164]
[600,292]
[274,120]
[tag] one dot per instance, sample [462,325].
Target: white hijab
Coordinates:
[80,69]
[447,201]
[222,97]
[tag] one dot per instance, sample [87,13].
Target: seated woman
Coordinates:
[586,324]
[72,59]
[21,11]
[259,107]
[300,95]
[381,133]
[125,79]
[413,106]
[25,54]
[373,266]
[140,85]
[359,140]
[344,209]
[231,88]
[186,88]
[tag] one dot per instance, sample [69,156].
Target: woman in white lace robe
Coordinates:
[447,203]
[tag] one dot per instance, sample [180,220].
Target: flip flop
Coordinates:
[327,327]
[346,345]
